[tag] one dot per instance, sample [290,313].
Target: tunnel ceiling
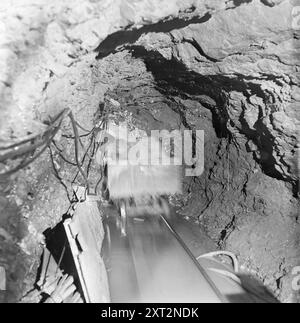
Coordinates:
[242,54]
[230,68]
[246,63]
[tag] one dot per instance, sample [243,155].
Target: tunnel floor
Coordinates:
[238,85]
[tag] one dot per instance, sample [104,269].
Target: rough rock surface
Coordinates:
[228,67]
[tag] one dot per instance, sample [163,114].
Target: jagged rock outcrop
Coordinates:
[250,53]
[228,67]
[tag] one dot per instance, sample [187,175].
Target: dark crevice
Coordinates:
[58,245]
[200,50]
[125,37]
[227,231]
[265,143]
[173,79]
[267,3]
[237,3]
[174,76]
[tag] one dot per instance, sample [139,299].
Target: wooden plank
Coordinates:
[85,234]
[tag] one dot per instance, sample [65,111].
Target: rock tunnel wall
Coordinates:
[230,68]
